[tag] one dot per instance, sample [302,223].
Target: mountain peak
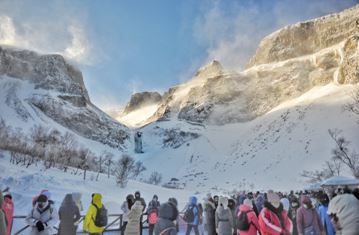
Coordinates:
[213,69]
[142,99]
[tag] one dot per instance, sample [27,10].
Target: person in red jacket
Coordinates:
[8,207]
[247,207]
[273,219]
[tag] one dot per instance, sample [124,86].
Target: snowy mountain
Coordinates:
[46,90]
[261,127]
[288,63]
[221,130]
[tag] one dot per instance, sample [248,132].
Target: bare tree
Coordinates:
[155,178]
[100,161]
[353,106]
[124,169]
[342,153]
[138,169]
[334,167]
[108,163]
[329,169]
[67,150]
[314,176]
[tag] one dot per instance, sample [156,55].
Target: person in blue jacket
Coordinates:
[194,224]
[323,208]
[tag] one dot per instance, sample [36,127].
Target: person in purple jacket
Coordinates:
[308,221]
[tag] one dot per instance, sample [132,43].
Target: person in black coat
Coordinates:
[168,216]
[232,207]
[210,210]
[143,203]
[69,215]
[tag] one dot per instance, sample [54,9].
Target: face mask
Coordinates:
[276,204]
[41,204]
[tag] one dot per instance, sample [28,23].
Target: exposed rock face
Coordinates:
[213,69]
[46,71]
[307,37]
[288,63]
[50,86]
[142,99]
[349,68]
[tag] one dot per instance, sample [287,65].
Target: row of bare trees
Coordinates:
[53,149]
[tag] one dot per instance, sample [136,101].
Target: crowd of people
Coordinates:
[270,213]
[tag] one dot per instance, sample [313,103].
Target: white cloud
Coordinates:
[80,48]
[70,40]
[7,31]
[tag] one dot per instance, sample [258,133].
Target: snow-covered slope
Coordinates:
[46,90]
[263,126]
[268,152]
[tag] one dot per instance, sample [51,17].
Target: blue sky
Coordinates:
[138,45]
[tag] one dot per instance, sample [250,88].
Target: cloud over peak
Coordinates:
[69,39]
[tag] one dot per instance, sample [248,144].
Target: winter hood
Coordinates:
[346,208]
[168,211]
[224,202]
[285,203]
[193,200]
[96,199]
[68,201]
[245,208]
[305,199]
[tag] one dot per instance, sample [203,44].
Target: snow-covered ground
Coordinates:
[25,183]
[269,152]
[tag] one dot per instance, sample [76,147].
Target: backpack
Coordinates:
[153,216]
[242,221]
[189,215]
[101,216]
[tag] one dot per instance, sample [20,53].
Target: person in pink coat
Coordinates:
[8,208]
[247,207]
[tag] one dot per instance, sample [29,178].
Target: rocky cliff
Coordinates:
[288,63]
[40,89]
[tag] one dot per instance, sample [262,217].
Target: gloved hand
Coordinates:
[40,226]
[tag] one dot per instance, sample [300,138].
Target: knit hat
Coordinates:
[7,194]
[285,203]
[273,198]
[248,202]
[42,198]
[46,193]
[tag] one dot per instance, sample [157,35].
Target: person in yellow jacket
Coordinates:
[89,222]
